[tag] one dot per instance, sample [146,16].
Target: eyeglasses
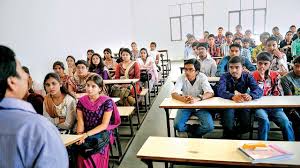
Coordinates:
[189,69]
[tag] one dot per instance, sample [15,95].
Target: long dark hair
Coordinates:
[99,82]
[128,51]
[63,89]
[93,67]
[109,51]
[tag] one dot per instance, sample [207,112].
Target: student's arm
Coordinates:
[70,117]
[176,93]
[249,65]
[80,122]
[208,91]
[286,86]
[222,66]
[222,88]
[255,91]
[71,87]
[117,73]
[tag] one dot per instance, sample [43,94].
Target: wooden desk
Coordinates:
[69,139]
[220,103]
[210,152]
[127,81]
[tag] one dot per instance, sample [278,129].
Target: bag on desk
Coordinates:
[124,94]
[143,77]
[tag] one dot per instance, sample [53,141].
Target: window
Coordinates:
[186,18]
[251,15]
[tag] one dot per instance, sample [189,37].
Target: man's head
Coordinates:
[235,66]
[246,42]
[264,37]
[229,37]
[271,45]
[202,50]
[205,34]
[289,36]
[194,47]
[248,33]
[264,60]
[234,50]
[238,41]
[211,40]
[293,28]
[191,68]
[190,38]
[13,79]
[152,46]
[220,31]
[296,67]
[238,28]
[275,30]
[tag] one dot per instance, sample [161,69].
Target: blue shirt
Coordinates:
[227,86]
[223,66]
[27,139]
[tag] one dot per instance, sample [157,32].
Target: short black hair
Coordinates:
[288,32]
[128,51]
[211,35]
[8,68]
[153,43]
[26,69]
[59,63]
[264,56]
[275,28]
[195,62]
[220,28]
[298,30]
[235,45]
[90,50]
[292,26]
[228,34]
[238,38]
[246,40]
[297,60]
[82,62]
[236,59]
[271,39]
[70,56]
[195,44]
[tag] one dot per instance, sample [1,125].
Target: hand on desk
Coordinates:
[191,99]
[239,97]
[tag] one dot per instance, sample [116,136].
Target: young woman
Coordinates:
[147,62]
[89,54]
[109,62]
[71,65]
[128,69]
[105,117]
[59,106]
[59,68]
[76,84]
[97,66]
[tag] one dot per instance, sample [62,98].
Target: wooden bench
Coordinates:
[127,111]
[210,152]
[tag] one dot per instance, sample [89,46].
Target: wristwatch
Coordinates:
[201,97]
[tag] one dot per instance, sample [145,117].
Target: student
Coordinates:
[105,119]
[279,62]
[225,46]
[276,34]
[286,44]
[35,99]
[208,65]
[234,85]
[296,45]
[59,105]
[97,66]
[213,49]
[128,69]
[34,86]
[248,35]
[154,53]
[269,82]
[238,33]
[27,139]
[205,37]
[71,65]
[109,62]
[188,50]
[263,38]
[89,54]
[293,29]
[59,68]
[77,83]
[247,46]
[147,62]
[220,38]
[191,87]
[235,50]
[134,51]
[291,86]
[119,55]
[195,49]
[244,52]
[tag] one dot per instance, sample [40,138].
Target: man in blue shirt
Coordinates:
[27,139]
[234,85]
[234,50]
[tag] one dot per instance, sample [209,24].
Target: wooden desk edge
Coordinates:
[73,141]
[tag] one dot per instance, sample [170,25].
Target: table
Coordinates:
[220,103]
[69,139]
[210,79]
[209,152]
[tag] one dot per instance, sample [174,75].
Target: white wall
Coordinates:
[41,32]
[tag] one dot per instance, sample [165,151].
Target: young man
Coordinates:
[213,49]
[248,35]
[276,34]
[279,62]
[27,139]
[263,38]
[235,50]
[205,36]
[234,85]
[291,86]
[293,29]
[244,52]
[220,38]
[296,45]
[238,33]
[188,50]
[195,49]
[190,87]
[208,64]
[286,46]
[225,46]
[268,80]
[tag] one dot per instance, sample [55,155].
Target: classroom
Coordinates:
[149,83]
